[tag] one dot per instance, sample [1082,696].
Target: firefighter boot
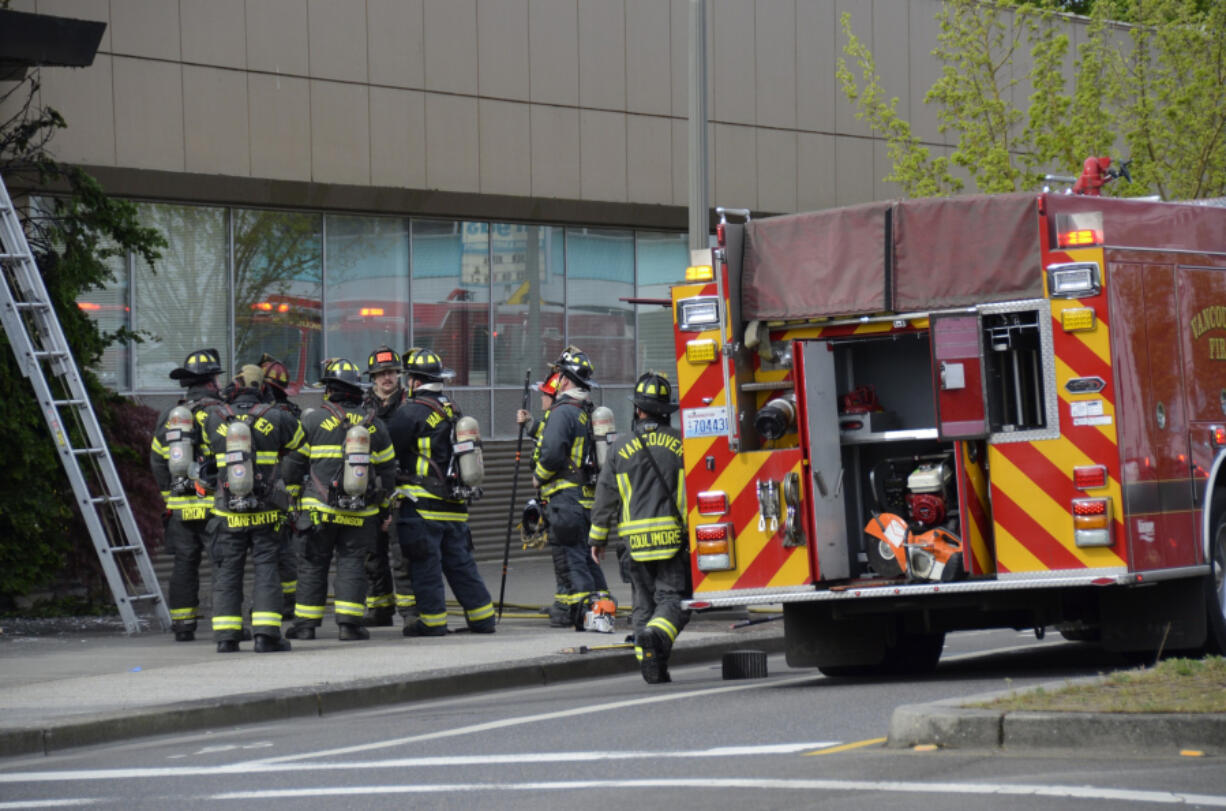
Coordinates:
[185,636]
[353,633]
[270,644]
[653,665]
[227,646]
[301,632]
[380,617]
[559,615]
[288,600]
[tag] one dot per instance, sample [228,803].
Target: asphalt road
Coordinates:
[792,740]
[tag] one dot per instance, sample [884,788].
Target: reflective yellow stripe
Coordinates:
[349,609]
[312,503]
[385,455]
[289,586]
[661,624]
[663,522]
[182,613]
[382,601]
[227,623]
[406,600]
[325,452]
[266,457]
[309,612]
[265,619]
[624,489]
[297,438]
[598,533]
[481,612]
[434,620]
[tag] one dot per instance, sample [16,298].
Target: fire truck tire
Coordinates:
[914,654]
[1215,585]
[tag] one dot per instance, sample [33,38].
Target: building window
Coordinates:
[662,259]
[183,304]
[367,305]
[451,296]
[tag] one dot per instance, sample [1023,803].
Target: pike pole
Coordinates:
[519,447]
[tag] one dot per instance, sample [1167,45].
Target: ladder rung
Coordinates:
[105,499]
[129,548]
[89,451]
[136,597]
[9,256]
[32,305]
[50,353]
[62,403]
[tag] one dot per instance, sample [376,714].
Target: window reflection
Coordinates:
[599,273]
[368,286]
[451,296]
[662,259]
[183,303]
[529,290]
[277,289]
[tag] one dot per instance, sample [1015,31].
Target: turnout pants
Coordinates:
[350,544]
[388,578]
[569,522]
[229,549]
[437,550]
[186,542]
[659,587]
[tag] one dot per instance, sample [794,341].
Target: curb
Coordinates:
[261,707]
[950,724]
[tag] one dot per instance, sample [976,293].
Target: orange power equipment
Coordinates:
[908,418]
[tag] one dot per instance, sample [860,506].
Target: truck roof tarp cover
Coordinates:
[957,251]
[944,253]
[822,263]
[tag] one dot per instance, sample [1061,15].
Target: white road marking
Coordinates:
[533,719]
[431,762]
[909,787]
[74,801]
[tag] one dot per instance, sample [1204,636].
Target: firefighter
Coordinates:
[564,469]
[187,507]
[389,589]
[563,595]
[642,488]
[276,383]
[351,470]
[247,438]
[432,524]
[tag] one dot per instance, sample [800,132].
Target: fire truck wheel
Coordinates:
[914,654]
[1215,585]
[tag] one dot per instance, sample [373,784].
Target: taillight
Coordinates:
[1088,478]
[1092,521]
[713,547]
[721,233]
[1218,435]
[712,502]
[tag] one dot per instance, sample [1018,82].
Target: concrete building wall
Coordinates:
[531,109]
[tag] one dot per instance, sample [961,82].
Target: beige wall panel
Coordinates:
[649,148]
[925,70]
[734,151]
[277,36]
[817,38]
[555,151]
[891,47]
[84,97]
[602,155]
[681,162]
[506,145]
[337,30]
[396,44]
[815,172]
[853,168]
[679,54]
[882,167]
[775,66]
[280,113]
[648,55]
[82,10]
[452,150]
[215,121]
[28,6]
[397,138]
[845,122]
[148,114]
[602,54]
[732,61]
[340,133]
[451,45]
[214,32]
[553,39]
[777,167]
[145,28]
[502,48]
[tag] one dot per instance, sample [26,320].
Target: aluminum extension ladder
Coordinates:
[38,341]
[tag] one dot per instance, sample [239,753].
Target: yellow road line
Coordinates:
[830,750]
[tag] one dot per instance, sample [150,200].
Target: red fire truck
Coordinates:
[908,418]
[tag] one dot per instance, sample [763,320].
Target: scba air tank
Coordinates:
[179,426]
[604,429]
[467,449]
[356,476]
[240,466]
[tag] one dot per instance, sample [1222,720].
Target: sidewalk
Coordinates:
[80,687]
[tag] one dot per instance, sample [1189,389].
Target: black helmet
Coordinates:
[426,364]
[382,359]
[575,365]
[654,394]
[201,363]
[275,372]
[342,372]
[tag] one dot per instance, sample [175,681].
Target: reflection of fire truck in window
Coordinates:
[908,418]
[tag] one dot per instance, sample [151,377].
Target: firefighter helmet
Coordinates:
[343,373]
[576,367]
[249,376]
[426,364]
[549,386]
[275,372]
[201,363]
[382,359]
[654,394]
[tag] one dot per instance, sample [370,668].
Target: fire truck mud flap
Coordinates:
[859,645]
